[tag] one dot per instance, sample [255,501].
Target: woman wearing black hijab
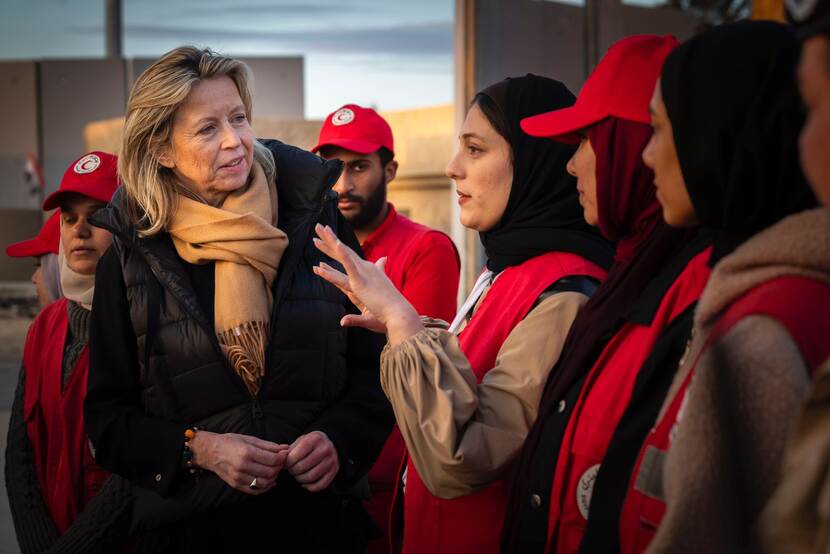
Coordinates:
[658,275]
[465,396]
[727,115]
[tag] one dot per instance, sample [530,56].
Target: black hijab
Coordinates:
[735,110]
[543,212]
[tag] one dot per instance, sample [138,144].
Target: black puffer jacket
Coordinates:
[318,376]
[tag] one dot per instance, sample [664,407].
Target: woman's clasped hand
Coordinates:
[252,465]
[239,460]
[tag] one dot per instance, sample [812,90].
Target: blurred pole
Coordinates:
[464,84]
[465,88]
[113,29]
[590,55]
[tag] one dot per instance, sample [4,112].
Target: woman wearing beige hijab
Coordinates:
[51,477]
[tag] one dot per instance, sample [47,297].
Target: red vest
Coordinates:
[66,472]
[799,304]
[602,402]
[472,523]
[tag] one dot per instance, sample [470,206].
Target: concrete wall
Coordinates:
[516,37]
[424,143]
[618,20]
[559,40]
[17,225]
[18,133]
[72,94]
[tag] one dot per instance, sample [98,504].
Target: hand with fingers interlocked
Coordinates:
[313,461]
[246,463]
[383,308]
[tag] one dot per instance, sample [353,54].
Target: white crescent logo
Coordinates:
[585,489]
[342,117]
[87,164]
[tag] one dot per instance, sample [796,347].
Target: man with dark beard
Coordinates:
[422,262]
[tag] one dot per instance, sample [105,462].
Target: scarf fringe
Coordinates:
[244,347]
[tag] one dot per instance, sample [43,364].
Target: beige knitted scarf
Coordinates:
[242,240]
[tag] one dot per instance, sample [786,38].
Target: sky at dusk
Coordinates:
[392,54]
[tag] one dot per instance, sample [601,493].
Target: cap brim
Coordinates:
[560,125]
[101,194]
[27,249]
[359,146]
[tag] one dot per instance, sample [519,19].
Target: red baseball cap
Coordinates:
[46,241]
[94,175]
[620,86]
[357,129]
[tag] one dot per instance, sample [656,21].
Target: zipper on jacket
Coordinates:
[257,416]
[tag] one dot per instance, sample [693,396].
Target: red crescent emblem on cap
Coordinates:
[87,164]
[342,117]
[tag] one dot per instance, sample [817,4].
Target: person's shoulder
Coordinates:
[303,179]
[301,175]
[412,227]
[759,348]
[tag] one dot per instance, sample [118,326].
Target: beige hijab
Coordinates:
[242,240]
[76,287]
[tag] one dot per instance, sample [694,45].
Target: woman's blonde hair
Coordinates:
[151,188]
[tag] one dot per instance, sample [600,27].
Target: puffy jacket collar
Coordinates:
[304,180]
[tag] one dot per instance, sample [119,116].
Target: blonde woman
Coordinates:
[221,383]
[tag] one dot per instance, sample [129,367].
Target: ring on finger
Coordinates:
[253,485]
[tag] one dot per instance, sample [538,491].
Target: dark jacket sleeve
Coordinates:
[32,521]
[104,525]
[359,422]
[145,450]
